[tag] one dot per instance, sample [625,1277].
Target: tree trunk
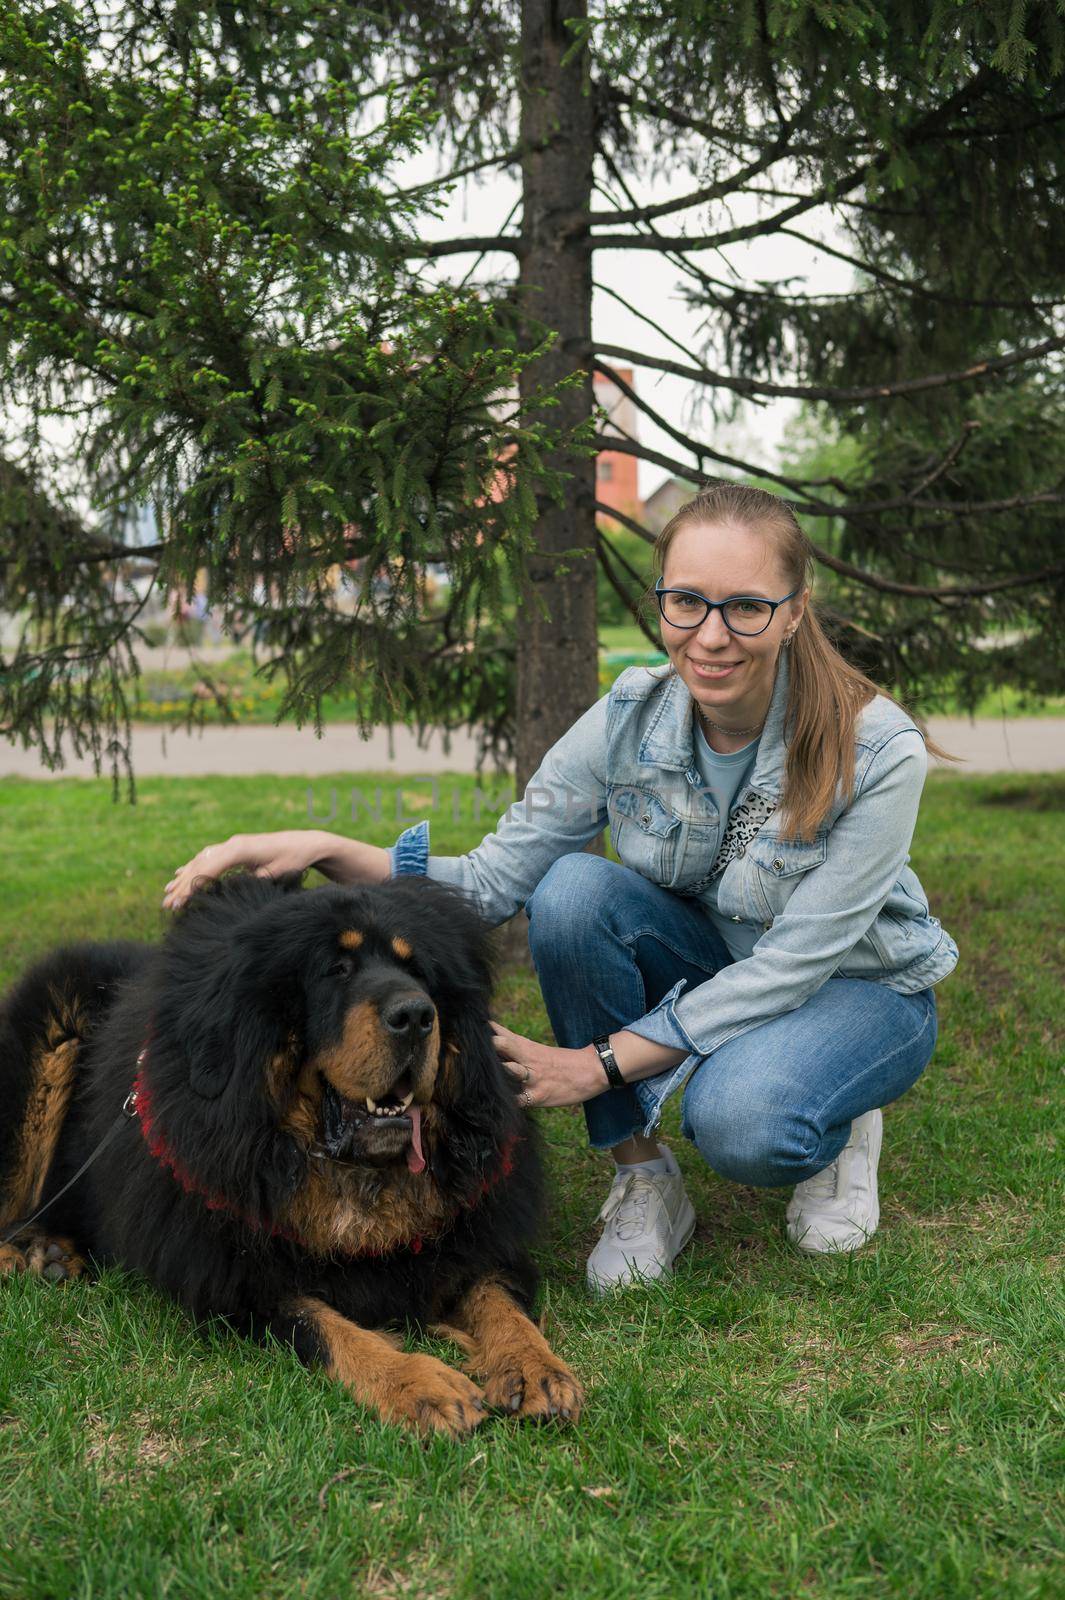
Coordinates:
[557,669]
[557,655]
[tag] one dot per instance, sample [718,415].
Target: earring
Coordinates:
[788,637]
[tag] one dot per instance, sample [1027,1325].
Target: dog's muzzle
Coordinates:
[373,1132]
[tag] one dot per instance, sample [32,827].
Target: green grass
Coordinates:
[765,1426]
[165,697]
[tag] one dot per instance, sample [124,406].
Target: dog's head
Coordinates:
[354,1021]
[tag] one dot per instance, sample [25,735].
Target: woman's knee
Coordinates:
[750,1138]
[569,896]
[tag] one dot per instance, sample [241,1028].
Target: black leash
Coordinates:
[128,1111]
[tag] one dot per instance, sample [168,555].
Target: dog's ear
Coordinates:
[474,1087]
[245,1046]
[474,1074]
[477,1100]
[231,1000]
[208,1057]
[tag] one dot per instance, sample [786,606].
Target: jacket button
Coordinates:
[766,926]
[646,819]
[740,852]
[778,865]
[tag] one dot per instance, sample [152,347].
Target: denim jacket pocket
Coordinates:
[907,899]
[904,931]
[774,868]
[898,941]
[650,837]
[643,829]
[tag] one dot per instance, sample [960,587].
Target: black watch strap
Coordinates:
[610,1062]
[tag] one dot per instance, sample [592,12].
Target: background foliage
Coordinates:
[217,298]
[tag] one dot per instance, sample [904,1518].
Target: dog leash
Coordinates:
[124,1116]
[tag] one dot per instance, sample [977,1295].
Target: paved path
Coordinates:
[1027,744]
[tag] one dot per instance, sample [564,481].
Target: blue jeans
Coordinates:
[771,1106]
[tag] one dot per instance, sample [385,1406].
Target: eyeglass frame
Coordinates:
[719,605]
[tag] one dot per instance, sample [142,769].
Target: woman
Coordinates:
[762,944]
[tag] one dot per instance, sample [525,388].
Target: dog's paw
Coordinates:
[56,1260]
[535,1386]
[431,1397]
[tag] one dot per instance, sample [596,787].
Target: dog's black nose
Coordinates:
[410,1017]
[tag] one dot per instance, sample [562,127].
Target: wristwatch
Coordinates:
[610,1062]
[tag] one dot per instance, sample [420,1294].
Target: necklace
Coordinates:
[733,733]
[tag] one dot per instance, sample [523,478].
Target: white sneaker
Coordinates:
[649,1219]
[838,1209]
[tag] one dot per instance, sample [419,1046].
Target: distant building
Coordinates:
[665,502]
[616,480]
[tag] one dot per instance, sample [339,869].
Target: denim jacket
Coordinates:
[842,904]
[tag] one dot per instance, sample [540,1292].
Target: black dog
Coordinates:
[320,1139]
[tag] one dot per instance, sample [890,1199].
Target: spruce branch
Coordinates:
[906,139]
[712,191]
[606,559]
[626,521]
[512,244]
[750,387]
[810,506]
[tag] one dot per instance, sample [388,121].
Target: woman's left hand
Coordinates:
[548,1074]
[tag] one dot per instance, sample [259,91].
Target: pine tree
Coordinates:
[930,136]
[207,306]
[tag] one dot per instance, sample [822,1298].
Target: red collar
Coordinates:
[140,1103]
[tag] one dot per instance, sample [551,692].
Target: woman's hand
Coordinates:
[548,1074]
[265,854]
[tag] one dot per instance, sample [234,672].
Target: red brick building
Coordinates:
[616,481]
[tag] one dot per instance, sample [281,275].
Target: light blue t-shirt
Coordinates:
[723,777]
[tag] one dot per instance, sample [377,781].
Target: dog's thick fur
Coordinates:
[252,1182]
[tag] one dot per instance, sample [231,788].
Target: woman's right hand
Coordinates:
[266,854]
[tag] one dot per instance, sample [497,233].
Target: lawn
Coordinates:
[765,1426]
[165,697]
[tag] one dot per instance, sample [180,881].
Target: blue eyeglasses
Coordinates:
[745,614]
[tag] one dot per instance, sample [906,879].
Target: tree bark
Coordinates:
[557,655]
[557,666]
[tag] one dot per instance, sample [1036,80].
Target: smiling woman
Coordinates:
[762,796]
[761,943]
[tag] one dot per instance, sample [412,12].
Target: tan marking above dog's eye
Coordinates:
[402,948]
[351,940]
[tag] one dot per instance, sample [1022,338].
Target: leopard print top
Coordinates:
[744,822]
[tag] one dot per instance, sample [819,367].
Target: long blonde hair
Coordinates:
[825,693]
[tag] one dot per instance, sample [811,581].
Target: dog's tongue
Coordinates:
[415,1159]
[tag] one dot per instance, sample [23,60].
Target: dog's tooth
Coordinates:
[371,1105]
[405,1102]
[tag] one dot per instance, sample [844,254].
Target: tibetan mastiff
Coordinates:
[305,1130]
